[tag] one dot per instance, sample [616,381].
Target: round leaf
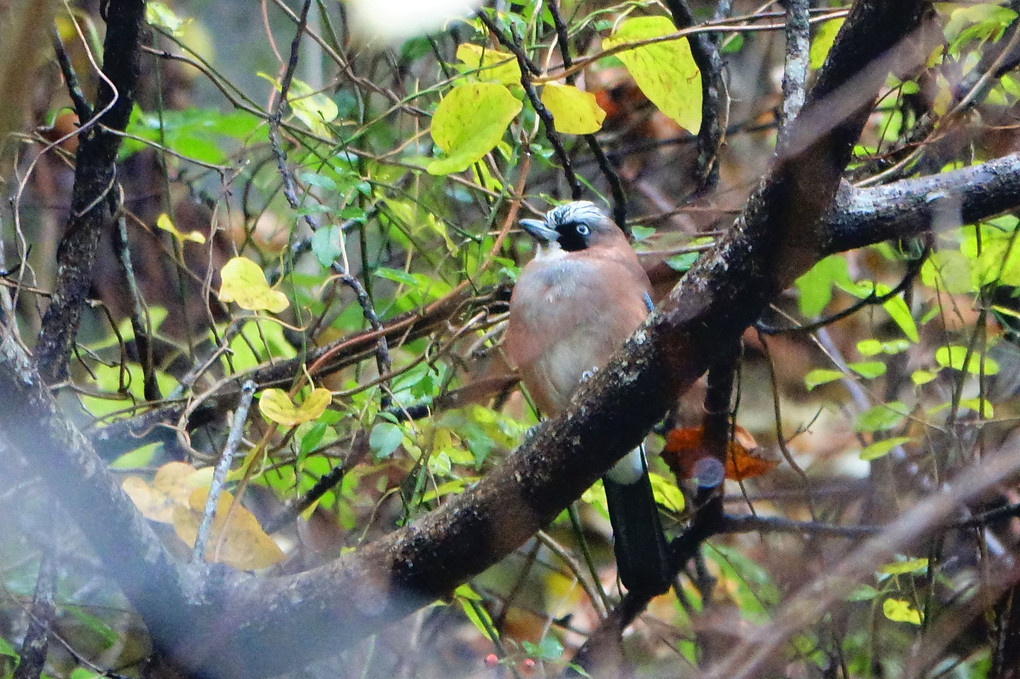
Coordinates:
[899,610]
[665,72]
[277,406]
[496,66]
[955,355]
[469,122]
[574,111]
[882,417]
[236,538]
[245,283]
[384,439]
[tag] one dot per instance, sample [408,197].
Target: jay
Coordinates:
[574,304]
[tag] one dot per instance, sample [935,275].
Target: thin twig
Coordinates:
[601,159]
[222,467]
[81,104]
[364,300]
[706,56]
[527,70]
[140,322]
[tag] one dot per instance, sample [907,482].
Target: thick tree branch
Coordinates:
[910,207]
[92,198]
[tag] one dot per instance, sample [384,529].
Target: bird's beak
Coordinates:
[539,230]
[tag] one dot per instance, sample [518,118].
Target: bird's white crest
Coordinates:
[578,211]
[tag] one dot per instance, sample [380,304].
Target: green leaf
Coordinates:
[919,377]
[475,612]
[257,343]
[882,417]
[640,233]
[82,673]
[665,72]
[977,22]
[95,625]
[900,313]
[469,122]
[574,111]
[203,134]
[311,438]
[397,276]
[815,287]
[465,591]
[160,15]
[979,405]
[682,262]
[899,610]
[319,180]
[326,245]
[954,356]
[863,593]
[549,649]
[666,493]
[993,255]
[7,649]
[384,439]
[825,36]
[820,376]
[949,271]
[868,369]
[881,448]
[873,347]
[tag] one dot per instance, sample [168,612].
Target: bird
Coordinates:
[573,305]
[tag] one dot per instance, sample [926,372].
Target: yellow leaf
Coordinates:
[277,406]
[574,111]
[153,505]
[899,610]
[665,72]
[170,488]
[496,66]
[245,283]
[469,122]
[164,222]
[237,541]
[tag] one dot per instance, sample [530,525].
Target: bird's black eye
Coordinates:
[583,229]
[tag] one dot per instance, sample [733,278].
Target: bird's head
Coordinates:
[573,226]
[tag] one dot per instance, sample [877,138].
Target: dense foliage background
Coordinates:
[272,262]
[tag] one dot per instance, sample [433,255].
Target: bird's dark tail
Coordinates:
[642,554]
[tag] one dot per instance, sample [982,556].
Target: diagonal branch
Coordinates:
[93,196]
